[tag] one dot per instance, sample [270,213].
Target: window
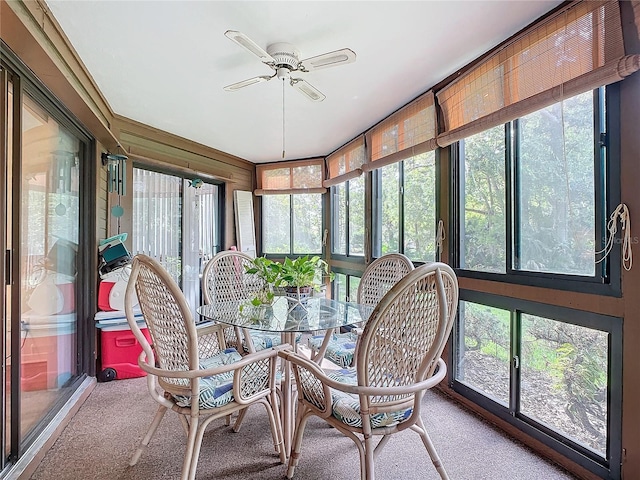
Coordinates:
[529,206]
[276,223]
[347,198]
[292,214]
[483,234]
[47,193]
[345,287]
[348,217]
[405,208]
[484,354]
[419,196]
[531,209]
[292,224]
[555,172]
[157,205]
[552,371]
[50,221]
[339,218]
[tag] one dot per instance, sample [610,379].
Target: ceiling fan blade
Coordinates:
[331,59]
[308,90]
[248,44]
[247,82]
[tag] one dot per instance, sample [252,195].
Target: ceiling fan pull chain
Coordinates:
[283,118]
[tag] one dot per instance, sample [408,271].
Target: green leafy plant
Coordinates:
[269,271]
[304,271]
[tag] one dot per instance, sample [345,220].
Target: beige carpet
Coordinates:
[98,443]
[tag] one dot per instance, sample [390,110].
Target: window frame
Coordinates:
[607,277]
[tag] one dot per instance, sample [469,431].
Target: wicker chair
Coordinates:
[224,279]
[188,371]
[397,360]
[377,279]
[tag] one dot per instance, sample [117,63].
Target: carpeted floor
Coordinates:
[99,441]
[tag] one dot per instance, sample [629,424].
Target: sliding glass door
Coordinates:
[44,175]
[49,219]
[178,222]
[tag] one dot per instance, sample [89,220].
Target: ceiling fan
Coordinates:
[283,58]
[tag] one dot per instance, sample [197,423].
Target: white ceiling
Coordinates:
[164,63]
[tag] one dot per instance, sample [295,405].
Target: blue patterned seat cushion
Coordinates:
[340,350]
[216,390]
[263,340]
[346,407]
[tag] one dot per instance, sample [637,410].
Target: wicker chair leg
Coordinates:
[426,439]
[276,428]
[185,424]
[361,450]
[301,422]
[368,472]
[187,465]
[147,438]
[383,441]
[278,423]
[238,424]
[197,443]
[275,408]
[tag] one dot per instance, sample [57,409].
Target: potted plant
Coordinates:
[302,276]
[298,277]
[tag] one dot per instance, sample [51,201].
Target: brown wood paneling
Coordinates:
[159,148]
[579,301]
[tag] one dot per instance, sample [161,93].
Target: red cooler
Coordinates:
[119,353]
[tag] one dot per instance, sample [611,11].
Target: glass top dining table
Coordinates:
[318,313]
[290,319]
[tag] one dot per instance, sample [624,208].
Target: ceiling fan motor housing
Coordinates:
[285,55]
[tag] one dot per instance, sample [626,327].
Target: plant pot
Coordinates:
[298,295]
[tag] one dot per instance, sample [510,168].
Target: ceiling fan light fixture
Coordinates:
[283,73]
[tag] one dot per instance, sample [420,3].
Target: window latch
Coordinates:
[603,142]
[516,362]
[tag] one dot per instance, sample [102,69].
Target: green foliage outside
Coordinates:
[412,182]
[554,167]
[356,216]
[483,245]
